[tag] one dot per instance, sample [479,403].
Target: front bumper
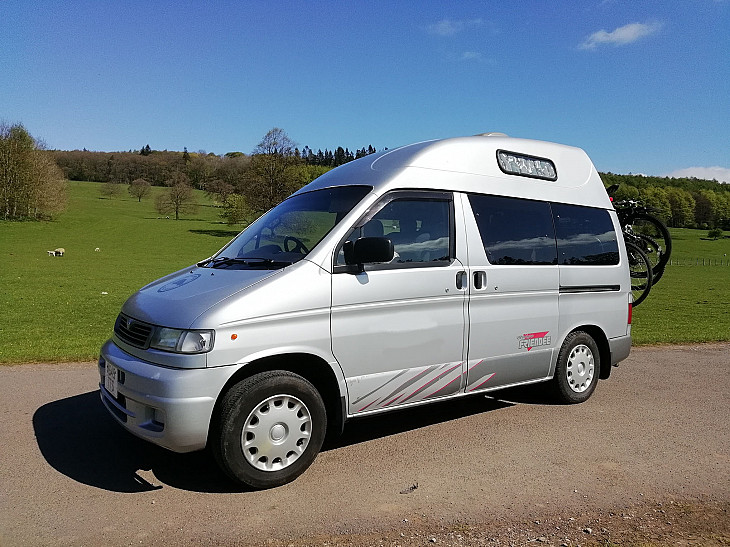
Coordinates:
[167,406]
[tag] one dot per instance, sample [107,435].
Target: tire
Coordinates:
[641,273]
[644,224]
[577,369]
[653,252]
[270,429]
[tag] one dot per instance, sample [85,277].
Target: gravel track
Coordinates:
[647,458]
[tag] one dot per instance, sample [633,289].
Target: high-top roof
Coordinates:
[470,164]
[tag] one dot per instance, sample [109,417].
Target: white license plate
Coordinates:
[110,378]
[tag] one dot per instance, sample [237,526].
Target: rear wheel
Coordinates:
[577,369]
[270,429]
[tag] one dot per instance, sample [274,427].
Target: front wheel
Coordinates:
[270,429]
[577,369]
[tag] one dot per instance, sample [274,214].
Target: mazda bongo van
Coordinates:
[437,270]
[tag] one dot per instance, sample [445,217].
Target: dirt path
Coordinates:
[647,458]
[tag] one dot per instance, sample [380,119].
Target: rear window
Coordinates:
[585,236]
[517,231]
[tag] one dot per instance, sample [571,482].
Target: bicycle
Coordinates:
[645,231]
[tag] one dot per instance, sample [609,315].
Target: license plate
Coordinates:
[110,378]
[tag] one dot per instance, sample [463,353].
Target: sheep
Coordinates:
[51,253]
[97,250]
[59,251]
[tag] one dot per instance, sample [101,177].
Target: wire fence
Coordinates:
[699,262]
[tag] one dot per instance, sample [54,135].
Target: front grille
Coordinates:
[133,332]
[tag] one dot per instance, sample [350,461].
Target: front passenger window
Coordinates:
[419,229]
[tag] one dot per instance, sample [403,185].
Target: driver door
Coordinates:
[398,329]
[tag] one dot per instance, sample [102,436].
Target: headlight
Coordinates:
[182,341]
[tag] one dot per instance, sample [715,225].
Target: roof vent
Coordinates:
[493,134]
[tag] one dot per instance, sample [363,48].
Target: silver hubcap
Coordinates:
[580,368]
[276,432]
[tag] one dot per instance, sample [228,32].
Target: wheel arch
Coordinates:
[604,349]
[310,367]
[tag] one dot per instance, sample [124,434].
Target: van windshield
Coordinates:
[289,231]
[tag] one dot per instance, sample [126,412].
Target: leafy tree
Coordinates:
[201,169]
[722,218]
[271,174]
[219,190]
[178,198]
[715,233]
[236,210]
[139,188]
[706,205]
[682,206]
[31,184]
[656,198]
[110,190]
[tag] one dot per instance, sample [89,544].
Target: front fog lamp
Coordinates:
[182,341]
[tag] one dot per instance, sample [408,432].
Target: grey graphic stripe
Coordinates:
[401,373]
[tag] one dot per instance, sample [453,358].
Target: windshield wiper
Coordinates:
[248,261]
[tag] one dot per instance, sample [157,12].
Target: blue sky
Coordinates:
[642,86]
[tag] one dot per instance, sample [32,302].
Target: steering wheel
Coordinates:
[298,247]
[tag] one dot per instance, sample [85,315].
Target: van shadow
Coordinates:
[79,439]
[391,423]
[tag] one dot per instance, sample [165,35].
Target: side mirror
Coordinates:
[368,250]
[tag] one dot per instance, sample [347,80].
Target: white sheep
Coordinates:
[60,251]
[51,253]
[97,250]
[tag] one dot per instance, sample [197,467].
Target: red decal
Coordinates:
[531,339]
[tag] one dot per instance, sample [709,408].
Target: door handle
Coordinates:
[461,280]
[480,280]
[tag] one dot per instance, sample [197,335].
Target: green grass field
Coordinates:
[690,303]
[62,309]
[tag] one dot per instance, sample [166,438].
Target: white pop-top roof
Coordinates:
[469,164]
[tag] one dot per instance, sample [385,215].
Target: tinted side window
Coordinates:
[585,236]
[515,231]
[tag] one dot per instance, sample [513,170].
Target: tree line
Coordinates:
[244,185]
[156,166]
[32,179]
[679,202]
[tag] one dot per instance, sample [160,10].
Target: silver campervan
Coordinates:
[432,271]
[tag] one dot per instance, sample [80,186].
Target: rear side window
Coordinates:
[585,236]
[515,231]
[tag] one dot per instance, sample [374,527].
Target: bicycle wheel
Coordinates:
[653,251]
[644,224]
[641,275]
